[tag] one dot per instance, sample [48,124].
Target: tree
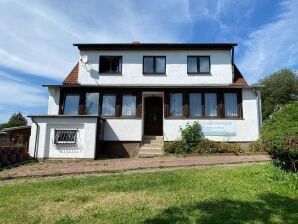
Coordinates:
[281,87]
[17,119]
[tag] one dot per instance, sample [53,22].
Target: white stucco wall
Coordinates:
[86,137]
[176,68]
[123,130]
[53,103]
[247,129]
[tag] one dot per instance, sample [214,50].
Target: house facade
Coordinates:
[127,99]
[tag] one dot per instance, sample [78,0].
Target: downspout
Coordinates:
[36,138]
[232,62]
[258,109]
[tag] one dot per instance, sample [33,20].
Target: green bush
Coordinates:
[284,152]
[279,137]
[257,146]
[176,147]
[191,136]
[206,147]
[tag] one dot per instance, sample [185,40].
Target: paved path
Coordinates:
[67,167]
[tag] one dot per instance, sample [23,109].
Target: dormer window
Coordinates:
[198,64]
[110,64]
[154,65]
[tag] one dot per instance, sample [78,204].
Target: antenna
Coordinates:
[84,59]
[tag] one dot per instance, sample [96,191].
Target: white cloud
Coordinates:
[37,36]
[273,46]
[18,95]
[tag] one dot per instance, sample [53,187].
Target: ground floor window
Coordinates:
[108,105]
[71,104]
[195,104]
[210,104]
[129,105]
[65,137]
[217,103]
[230,103]
[92,102]
[176,104]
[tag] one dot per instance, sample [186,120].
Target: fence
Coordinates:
[11,155]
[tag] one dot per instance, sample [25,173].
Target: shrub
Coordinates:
[284,152]
[257,146]
[206,147]
[280,135]
[191,136]
[176,147]
[192,142]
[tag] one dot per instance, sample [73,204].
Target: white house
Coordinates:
[127,99]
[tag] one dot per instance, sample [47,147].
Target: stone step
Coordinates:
[151,149]
[147,141]
[153,145]
[152,137]
[149,155]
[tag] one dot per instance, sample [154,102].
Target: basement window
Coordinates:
[65,137]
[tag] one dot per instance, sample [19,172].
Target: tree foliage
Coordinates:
[17,119]
[281,87]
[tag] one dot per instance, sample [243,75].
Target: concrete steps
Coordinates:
[151,146]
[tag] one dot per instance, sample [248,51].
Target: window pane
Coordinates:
[148,65]
[192,66]
[110,64]
[195,103]
[116,63]
[160,64]
[230,104]
[176,104]
[210,104]
[129,105]
[108,105]
[71,104]
[92,103]
[204,64]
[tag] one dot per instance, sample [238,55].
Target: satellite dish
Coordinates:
[84,58]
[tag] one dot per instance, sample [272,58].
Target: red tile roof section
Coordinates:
[72,77]
[238,78]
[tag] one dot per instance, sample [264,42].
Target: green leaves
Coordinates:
[280,88]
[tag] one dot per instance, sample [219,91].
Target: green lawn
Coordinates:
[244,194]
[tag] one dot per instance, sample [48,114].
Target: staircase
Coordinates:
[151,146]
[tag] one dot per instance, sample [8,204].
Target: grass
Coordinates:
[245,194]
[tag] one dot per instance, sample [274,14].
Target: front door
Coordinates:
[153,116]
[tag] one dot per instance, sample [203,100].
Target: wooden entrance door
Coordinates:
[153,117]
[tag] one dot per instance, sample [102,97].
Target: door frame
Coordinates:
[149,94]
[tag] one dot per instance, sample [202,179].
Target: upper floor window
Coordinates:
[71,104]
[198,64]
[110,64]
[154,65]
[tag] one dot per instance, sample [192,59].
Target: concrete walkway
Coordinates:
[67,167]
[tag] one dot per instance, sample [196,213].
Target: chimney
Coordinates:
[136,42]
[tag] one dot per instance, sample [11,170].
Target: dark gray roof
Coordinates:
[155,46]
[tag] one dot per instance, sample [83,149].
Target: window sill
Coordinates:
[155,74]
[199,73]
[110,73]
[122,118]
[204,118]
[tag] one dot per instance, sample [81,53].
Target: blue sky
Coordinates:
[37,35]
